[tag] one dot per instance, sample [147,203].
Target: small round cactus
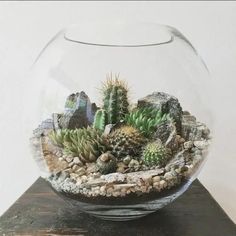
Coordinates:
[155,154]
[125,140]
[106,163]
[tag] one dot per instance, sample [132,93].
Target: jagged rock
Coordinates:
[166,103]
[163,130]
[177,162]
[193,130]
[79,112]
[45,127]
[55,118]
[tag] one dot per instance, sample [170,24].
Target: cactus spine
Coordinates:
[100,120]
[115,99]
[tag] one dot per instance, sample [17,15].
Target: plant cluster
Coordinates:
[85,143]
[132,131]
[146,119]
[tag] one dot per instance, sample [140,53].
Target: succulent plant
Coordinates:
[125,140]
[106,163]
[145,119]
[59,137]
[115,99]
[100,120]
[86,143]
[155,153]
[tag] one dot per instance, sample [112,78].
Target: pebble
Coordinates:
[60,158]
[188,144]
[77,161]
[201,144]
[127,160]
[80,171]
[75,167]
[156,179]
[110,190]
[71,164]
[84,178]
[103,189]
[163,184]
[69,159]
[134,164]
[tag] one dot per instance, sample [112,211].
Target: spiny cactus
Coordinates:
[100,120]
[86,143]
[145,119]
[155,153]
[106,163]
[126,140]
[115,99]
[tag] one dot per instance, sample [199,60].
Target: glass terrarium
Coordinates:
[121,126]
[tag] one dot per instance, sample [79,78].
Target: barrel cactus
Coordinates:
[155,154]
[86,143]
[115,99]
[100,120]
[145,119]
[106,163]
[126,140]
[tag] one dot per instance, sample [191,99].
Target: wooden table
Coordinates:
[39,211]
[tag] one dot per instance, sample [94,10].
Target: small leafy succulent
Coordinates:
[145,119]
[155,153]
[86,143]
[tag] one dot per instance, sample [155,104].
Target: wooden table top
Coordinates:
[39,211]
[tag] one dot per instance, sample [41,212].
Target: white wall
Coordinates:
[25,27]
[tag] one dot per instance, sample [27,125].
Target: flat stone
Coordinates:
[114,177]
[120,186]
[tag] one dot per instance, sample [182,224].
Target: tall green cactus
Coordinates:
[100,120]
[115,99]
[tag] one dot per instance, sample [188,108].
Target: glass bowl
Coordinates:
[121,123]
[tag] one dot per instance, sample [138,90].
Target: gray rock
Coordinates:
[172,141]
[166,103]
[79,112]
[45,127]
[193,130]
[55,118]
[177,162]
